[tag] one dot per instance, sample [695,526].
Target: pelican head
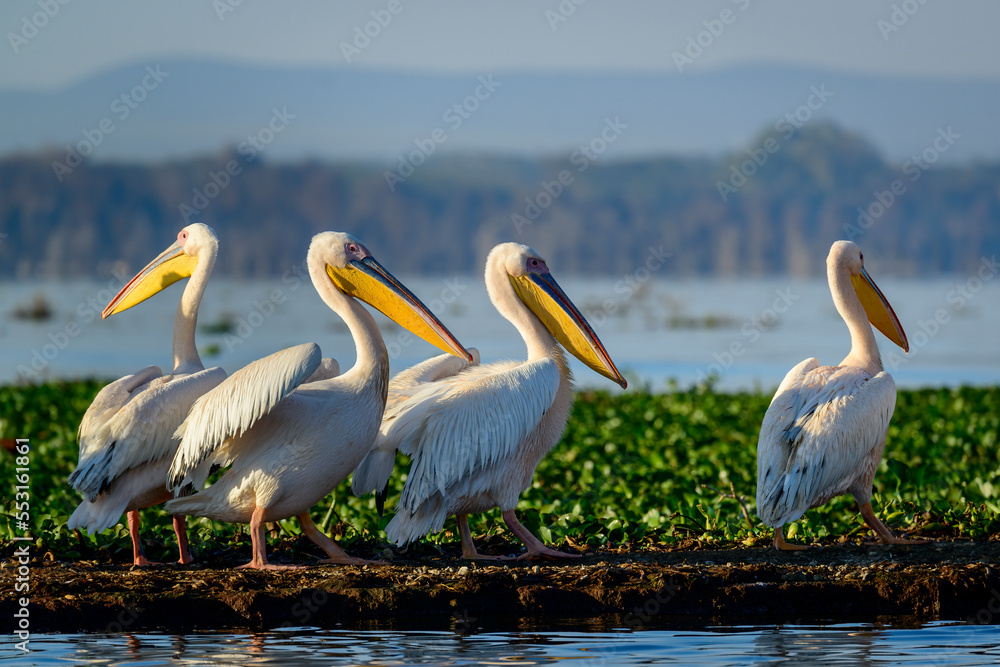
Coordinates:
[538,290]
[194,242]
[846,258]
[353,270]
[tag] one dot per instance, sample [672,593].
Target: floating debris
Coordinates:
[38,310]
[226,323]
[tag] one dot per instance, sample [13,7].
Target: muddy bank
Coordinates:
[943,581]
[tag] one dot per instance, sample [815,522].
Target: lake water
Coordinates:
[749,332]
[838,644]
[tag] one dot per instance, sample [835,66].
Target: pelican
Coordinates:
[289,445]
[825,429]
[126,436]
[475,433]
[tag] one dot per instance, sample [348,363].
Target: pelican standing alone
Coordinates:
[475,433]
[825,429]
[289,445]
[126,436]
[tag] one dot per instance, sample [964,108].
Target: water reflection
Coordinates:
[817,646]
[941,643]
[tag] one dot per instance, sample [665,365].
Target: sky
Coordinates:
[906,37]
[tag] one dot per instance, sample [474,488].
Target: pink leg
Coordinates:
[180,529]
[138,558]
[535,547]
[781,545]
[259,560]
[332,549]
[885,536]
[468,547]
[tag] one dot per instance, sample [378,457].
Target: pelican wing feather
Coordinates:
[407,382]
[132,422]
[820,430]
[235,405]
[327,370]
[468,421]
[376,468]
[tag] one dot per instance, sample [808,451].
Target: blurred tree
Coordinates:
[773,207]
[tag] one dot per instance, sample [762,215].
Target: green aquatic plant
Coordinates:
[634,470]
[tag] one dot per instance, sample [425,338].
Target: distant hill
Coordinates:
[192,108]
[772,207]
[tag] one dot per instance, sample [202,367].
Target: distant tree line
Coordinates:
[772,208]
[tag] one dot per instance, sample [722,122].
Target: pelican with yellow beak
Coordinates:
[475,433]
[288,444]
[127,434]
[825,429]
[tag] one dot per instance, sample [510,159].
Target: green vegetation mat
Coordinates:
[634,471]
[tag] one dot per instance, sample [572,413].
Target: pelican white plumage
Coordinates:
[824,432]
[126,436]
[289,445]
[475,433]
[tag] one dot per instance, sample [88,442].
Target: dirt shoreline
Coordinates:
[942,581]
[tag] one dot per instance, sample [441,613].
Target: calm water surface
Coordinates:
[934,644]
[750,332]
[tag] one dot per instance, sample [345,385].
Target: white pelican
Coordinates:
[290,445]
[825,429]
[126,436]
[475,433]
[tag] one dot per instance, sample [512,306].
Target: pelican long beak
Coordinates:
[171,265]
[368,280]
[542,294]
[878,310]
